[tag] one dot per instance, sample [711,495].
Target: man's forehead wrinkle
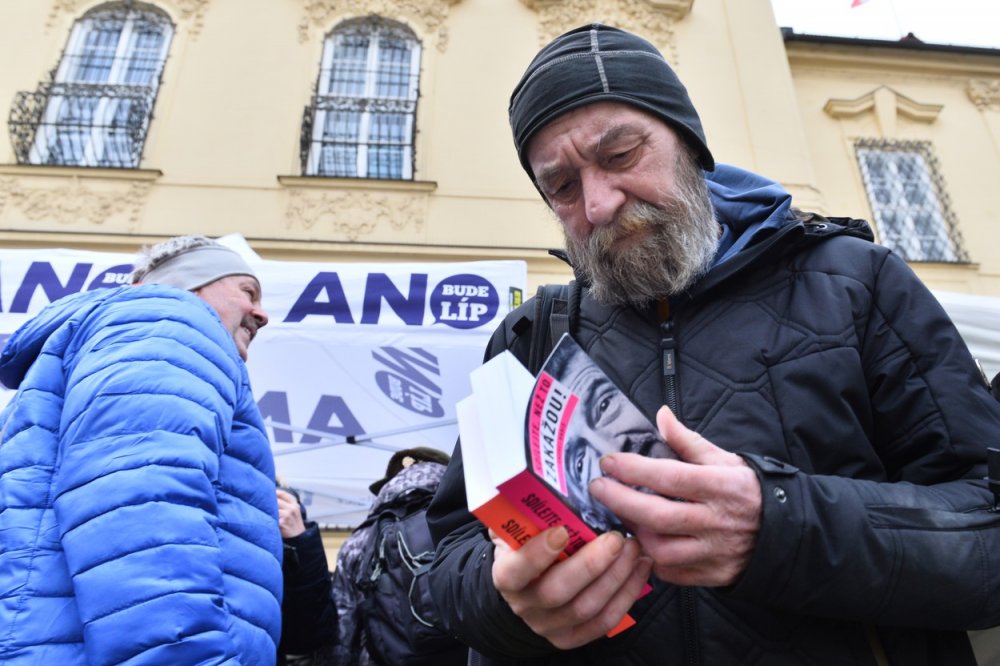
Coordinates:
[556,167]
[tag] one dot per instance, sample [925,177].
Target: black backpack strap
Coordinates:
[555,308]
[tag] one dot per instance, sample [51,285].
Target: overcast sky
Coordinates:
[962,22]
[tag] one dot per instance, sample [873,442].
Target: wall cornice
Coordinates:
[191,13]
[353,208]
[72,199]
[928,64]
[654,19]
[430,14]
[328,183]
[985,93]
[887,105]
[84,173]
[843,108]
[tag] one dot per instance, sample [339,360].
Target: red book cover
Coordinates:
[537,443]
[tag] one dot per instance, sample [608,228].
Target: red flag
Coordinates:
[857,3]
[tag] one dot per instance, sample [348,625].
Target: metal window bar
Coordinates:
[95,125]
[95,109]
[93,63]
[362,127]
[388,140]
[909,200]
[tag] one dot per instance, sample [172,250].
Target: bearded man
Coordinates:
[829,504]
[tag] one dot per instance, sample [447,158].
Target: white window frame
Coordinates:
[906,226]
[367,101]
[106,107]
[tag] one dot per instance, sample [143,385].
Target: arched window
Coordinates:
[361,121]
[96,110]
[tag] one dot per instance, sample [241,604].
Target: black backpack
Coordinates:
[556,311]
[400,625]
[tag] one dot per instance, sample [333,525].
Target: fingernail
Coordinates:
[557,538]
[616,542]
[607,464]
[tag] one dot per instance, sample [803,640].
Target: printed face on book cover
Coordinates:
[611,423]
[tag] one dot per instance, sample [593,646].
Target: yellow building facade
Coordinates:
[376,130]
[242,115]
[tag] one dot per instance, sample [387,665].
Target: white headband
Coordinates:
[198,266]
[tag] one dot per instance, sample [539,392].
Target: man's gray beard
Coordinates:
[680,244]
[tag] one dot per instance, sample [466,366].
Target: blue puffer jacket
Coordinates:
[137,502]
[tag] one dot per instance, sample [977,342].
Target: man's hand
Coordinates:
[705,540]
[577,600]
[289,515]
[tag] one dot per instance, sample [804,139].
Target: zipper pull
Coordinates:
[668,359]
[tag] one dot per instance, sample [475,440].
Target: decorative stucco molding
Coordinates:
[887,105]
[985,93]
[431,14]
[355,214]
[74,203]
[653,19]
[191,12]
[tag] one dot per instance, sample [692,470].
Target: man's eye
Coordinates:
[602,407]
[621,159]
[563,191]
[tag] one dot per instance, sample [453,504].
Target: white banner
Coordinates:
[358,360]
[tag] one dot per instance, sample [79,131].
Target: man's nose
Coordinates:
[603,198]
[260,316]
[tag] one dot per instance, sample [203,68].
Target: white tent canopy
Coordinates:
[978,320]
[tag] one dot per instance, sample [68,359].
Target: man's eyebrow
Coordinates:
[253,282]
[549,174]
[618,132]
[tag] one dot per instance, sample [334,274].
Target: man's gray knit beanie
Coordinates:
[599,63]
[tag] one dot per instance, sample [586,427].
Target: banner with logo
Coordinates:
[357,360]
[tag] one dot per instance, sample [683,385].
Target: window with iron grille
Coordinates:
[95,110]
[361,120]
[909,200]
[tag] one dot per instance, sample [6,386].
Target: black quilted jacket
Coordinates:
[819,357]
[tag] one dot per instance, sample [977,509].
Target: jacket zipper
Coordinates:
[671,398]
[668,352]
[671,392]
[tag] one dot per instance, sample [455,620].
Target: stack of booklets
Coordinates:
[531,445]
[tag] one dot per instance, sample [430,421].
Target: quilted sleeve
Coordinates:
[151,385]
[921,546]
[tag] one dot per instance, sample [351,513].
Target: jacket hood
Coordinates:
[747,205]
[24,346]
